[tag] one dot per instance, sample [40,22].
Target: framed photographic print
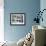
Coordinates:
[17,18]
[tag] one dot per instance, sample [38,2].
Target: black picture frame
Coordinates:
[17,19]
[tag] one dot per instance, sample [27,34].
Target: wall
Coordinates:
[42,6]
[1,21]
[29,7]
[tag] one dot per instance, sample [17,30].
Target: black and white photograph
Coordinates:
[17,18]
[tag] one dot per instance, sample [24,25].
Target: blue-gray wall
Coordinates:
[43,6]
[29,7]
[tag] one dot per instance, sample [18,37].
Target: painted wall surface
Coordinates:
[29,7]
[1,21]
[43,6]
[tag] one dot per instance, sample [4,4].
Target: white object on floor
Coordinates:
[20,42]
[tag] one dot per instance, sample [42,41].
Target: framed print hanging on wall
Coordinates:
[17,18]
